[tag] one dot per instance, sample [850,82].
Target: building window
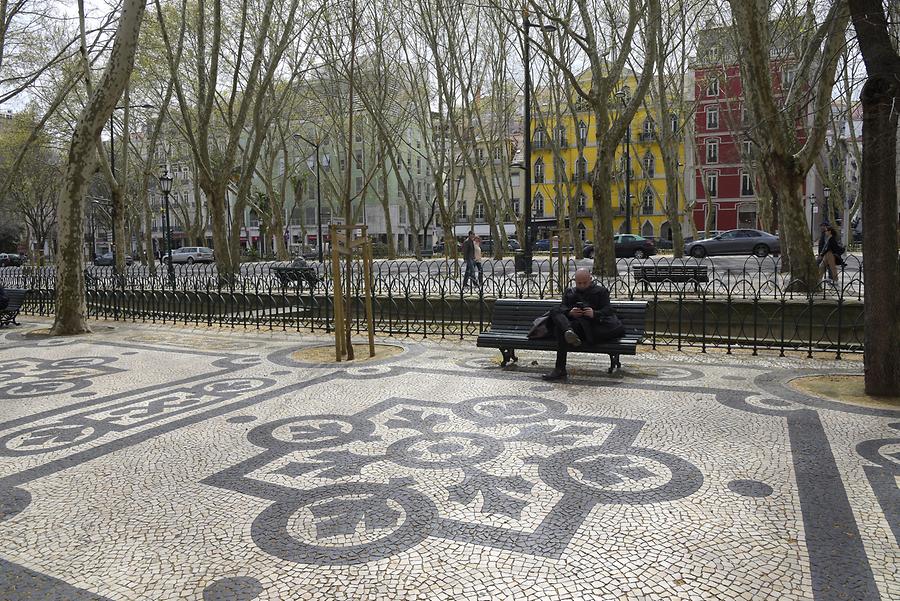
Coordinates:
[479,153]
[648,129]
[401,214]
[580,169]
[540,137]
[538,205]
[358,156]
[514,179]
[461,212]
[673,122]
[498,153]
[582,133]
[649,165]
[787,78]
[539,171]
[516,207]
[712,88]
[712,151]
[419,165]
[561,136]
[559,168]
[648,198]
[712,117]
[746,184]
[479,210]
[747,147]
[712,184]
[359,185]
[581,203]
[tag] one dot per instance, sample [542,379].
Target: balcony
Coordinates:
[646,137]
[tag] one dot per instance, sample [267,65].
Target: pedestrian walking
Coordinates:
[478,255]
[830,251]
[468,251]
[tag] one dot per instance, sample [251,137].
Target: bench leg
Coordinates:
[613,363]
[509,355]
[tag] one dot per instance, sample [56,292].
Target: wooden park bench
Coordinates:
[16,300]
[670,272]
[513,319]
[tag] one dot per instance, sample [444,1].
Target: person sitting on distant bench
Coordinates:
[585,316]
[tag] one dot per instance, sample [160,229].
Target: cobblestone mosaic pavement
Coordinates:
[172,463]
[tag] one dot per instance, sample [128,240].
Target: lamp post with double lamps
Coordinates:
[623,96]
[529,234]
[165,184]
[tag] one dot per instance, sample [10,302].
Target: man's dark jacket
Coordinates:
[468,250]
[603,326]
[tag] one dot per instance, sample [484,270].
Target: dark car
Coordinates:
[10,260]
[627,245]
[439,247]
[735,242]
[297,270]
[110,259]
[487,245]
[543,245]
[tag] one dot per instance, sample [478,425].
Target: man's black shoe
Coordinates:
[556,374]
[572,338]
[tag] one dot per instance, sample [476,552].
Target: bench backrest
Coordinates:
[519,314]
[670,269]
[16,297]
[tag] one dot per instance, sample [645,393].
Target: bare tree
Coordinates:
[784,156]
[607,65]
[71,309]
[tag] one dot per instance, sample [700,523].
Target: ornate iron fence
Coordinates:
[752,305]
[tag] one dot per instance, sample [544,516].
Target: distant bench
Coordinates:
[513,319]
[16,298]
[666,272]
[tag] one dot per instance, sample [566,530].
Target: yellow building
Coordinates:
[560,174]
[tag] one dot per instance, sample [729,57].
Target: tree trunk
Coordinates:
[71,308]
[604,243]
[879,165]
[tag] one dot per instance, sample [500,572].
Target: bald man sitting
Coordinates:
[582,318]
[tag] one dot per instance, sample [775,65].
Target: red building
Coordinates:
[723,133]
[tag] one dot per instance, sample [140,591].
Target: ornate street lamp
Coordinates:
[165,184]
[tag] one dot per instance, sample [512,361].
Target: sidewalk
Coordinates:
[160,462]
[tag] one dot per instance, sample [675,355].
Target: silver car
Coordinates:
[190,255]
[735,242]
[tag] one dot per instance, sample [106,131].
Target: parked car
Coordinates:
[10,260]
[191,255]
[627,245]
[109,258]
[487,246]
[543,245]
[735,242]
[297,270]
[438,247]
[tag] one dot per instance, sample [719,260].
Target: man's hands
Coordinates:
[586,312]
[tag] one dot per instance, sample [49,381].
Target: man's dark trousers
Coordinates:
[561,323]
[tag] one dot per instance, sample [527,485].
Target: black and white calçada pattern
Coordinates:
[510,472]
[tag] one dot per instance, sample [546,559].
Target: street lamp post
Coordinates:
[529,234]
[623,96]
[165,184]
[318,163]
[812,219]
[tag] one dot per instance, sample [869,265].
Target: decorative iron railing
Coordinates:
[755,306]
